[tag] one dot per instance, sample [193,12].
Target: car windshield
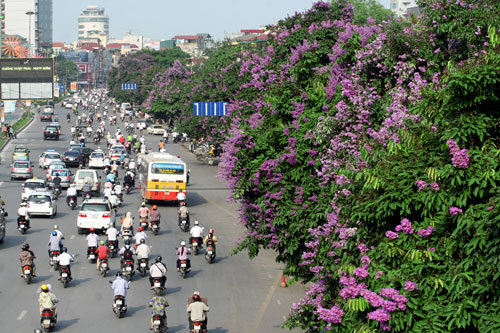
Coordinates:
[71,153]
[20,150]
[21,165]
[85,174]
[95,207]
[39,198]
[52,156]
[97,155]
[57,166]
[61,173]
[117,150]
[32,185]
[51,128]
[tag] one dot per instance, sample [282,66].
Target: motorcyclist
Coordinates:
[143,211]
[126,162]
[68,117]
[47,300]
[102,253]
[132,165]
[140,235]
[183,252]
[114,168]
[111,177]
[113,200]
[126,252]
[158,270]
[59,232]
[71,192]
[57,182]
[210,238]
[65,260]
[27,257]
[181,197]
[55,243]
[120,287]
[128,223]
[112,234]
[127,180]
[159,305]
[86,188]
[197,311]
[183,212]
[92,239]
[154,215]
[143,252]
[196,233]
[22,212]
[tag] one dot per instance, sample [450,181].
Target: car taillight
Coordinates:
[67,178]
[96,183]
[46,131]
[106,216]
[82,215]
[50,204]
[11,169]
[90,159]
[29,169]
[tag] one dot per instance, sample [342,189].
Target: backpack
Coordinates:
[128,253]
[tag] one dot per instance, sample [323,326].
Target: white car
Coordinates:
[96,159]
[156,130]
[48,108]
[48,157]
[54,165]
[95,213]
[41,203]
[32,185]
[68,105]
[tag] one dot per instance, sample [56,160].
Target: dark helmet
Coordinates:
[118,273]
[127,242]
[158,259]
[26,246]
[142,241]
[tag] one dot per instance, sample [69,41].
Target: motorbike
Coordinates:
[188,174]
[127,188]
[183,269]
[157,288]
[128,269]
[64,275]
[196,246]
[54,259]
[97,139]
[23,225]
[143,266]
[72,203]
[119,306]
[210,254]
[144,223]
[57,191]
[28,273]
[197,327]
[113,247]
[47,320]
[155,227]
[159,325]
[184,223]
[103,267]
[91,254]
[119,192]
[127,235]
[87,196]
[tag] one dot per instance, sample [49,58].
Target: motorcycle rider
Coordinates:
[143,211]
[55,242]
[57,182]
[158,270]
[183,252]
[126,252]
[154,216]
[111,177]
[181,197]
[128,223]
[120,286]
[196,233]
[71,192]
[140,235]
[210,238]
[65,261]
[132,165]
[196,311]
[27,257]
[22,213]
[59,233]
[112,234]
[86,188]
[127,180]
[143,251]
[102,253]
[92,239]
[183,212]
[159,305]
[113,200]
[47,300]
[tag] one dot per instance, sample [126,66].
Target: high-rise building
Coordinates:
[92,22]
[45,23]
[17,22]
[401,7]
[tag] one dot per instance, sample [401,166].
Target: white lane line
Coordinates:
[72,237]
[21,316]
[278,301]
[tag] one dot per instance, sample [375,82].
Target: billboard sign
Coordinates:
[26,78]
[83,67]
[210,109]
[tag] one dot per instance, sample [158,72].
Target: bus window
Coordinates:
[167,169]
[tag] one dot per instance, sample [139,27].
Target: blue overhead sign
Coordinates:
[129,86]
[210,109]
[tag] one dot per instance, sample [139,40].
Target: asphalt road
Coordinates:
[243,295]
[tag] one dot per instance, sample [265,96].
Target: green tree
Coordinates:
[65,70]
[363,9]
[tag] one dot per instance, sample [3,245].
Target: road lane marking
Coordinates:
[278,301]
[264,306]
[72,237]
[21,316]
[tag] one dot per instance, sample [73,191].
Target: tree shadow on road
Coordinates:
[133,310]
[217,329]
[63,324]
[77,282]
[178,328]
[194,199]
[12,241]
[173,290]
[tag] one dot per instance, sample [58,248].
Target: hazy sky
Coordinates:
[162,19]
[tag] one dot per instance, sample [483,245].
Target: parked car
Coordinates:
[156,130]
[32,185]
[51,132]
[95,213]
[73,158]
[21,169]
[64,174]
[46,116]
[47,157]
[21,153]
[41,203]
[96,159]
[83,175]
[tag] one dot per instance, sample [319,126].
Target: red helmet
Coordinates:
[140,229]
[211,231]
[154,207]
[196,297]
[92,229]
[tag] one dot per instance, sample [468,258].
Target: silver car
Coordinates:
[21,169]
[64,174]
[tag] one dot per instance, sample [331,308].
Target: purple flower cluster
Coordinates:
[361,272]
[455,210]
[405,226]
[421,184]
[424,233]
[379,315]
[410,286]
[391,234]
[459,157]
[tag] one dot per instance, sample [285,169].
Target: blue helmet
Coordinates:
[54,233]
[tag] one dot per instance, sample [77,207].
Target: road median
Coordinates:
[17,127]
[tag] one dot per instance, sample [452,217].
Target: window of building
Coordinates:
[81,26]
[394,5]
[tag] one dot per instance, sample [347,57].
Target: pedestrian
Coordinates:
[11,132]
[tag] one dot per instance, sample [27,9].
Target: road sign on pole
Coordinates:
[129,86]
[210,109]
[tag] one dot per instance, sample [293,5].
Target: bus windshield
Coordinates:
[167,169]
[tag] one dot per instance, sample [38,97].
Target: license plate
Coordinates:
[167,192]
[195,244]
[156,322]
[129,268]
[155,226]
[157,284]
[46,321]
[184,222]
[64,274]
[91,256]
[183,265]
[104,265]
[197,327]
[209,252]
[143,264]
[111,247]
[27,271]
[119,302]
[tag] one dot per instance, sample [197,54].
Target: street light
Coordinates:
[29,13]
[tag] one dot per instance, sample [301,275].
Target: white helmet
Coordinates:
[183,243]
[196,222]
[56,227]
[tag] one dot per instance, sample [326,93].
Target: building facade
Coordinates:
[92,22]
[16,22]
[400,7]
[44,25]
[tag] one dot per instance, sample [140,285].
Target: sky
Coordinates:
[163,19]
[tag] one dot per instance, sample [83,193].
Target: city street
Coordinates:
[244,295]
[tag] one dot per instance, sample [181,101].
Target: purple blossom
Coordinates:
[459,157]
[379,315]
[378,274]
[424,233]
[455,210]
[361,272]
[421,184]
[410,286]
[333,315]
[405,226]
[431,249]
[365,260]
[391,235]
[434,186]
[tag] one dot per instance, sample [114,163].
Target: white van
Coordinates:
[88,174]
[125,106]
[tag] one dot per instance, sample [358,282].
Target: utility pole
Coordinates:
[29,13]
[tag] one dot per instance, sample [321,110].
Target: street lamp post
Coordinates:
[29,13]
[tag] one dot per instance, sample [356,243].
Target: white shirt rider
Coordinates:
[113,200]
[71,192]
[196,231]
[111,233]
[181,196]
[65,259]
[140,235]
[22,211]
[92,240]
[143,251]
[59,234]
[157,270]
